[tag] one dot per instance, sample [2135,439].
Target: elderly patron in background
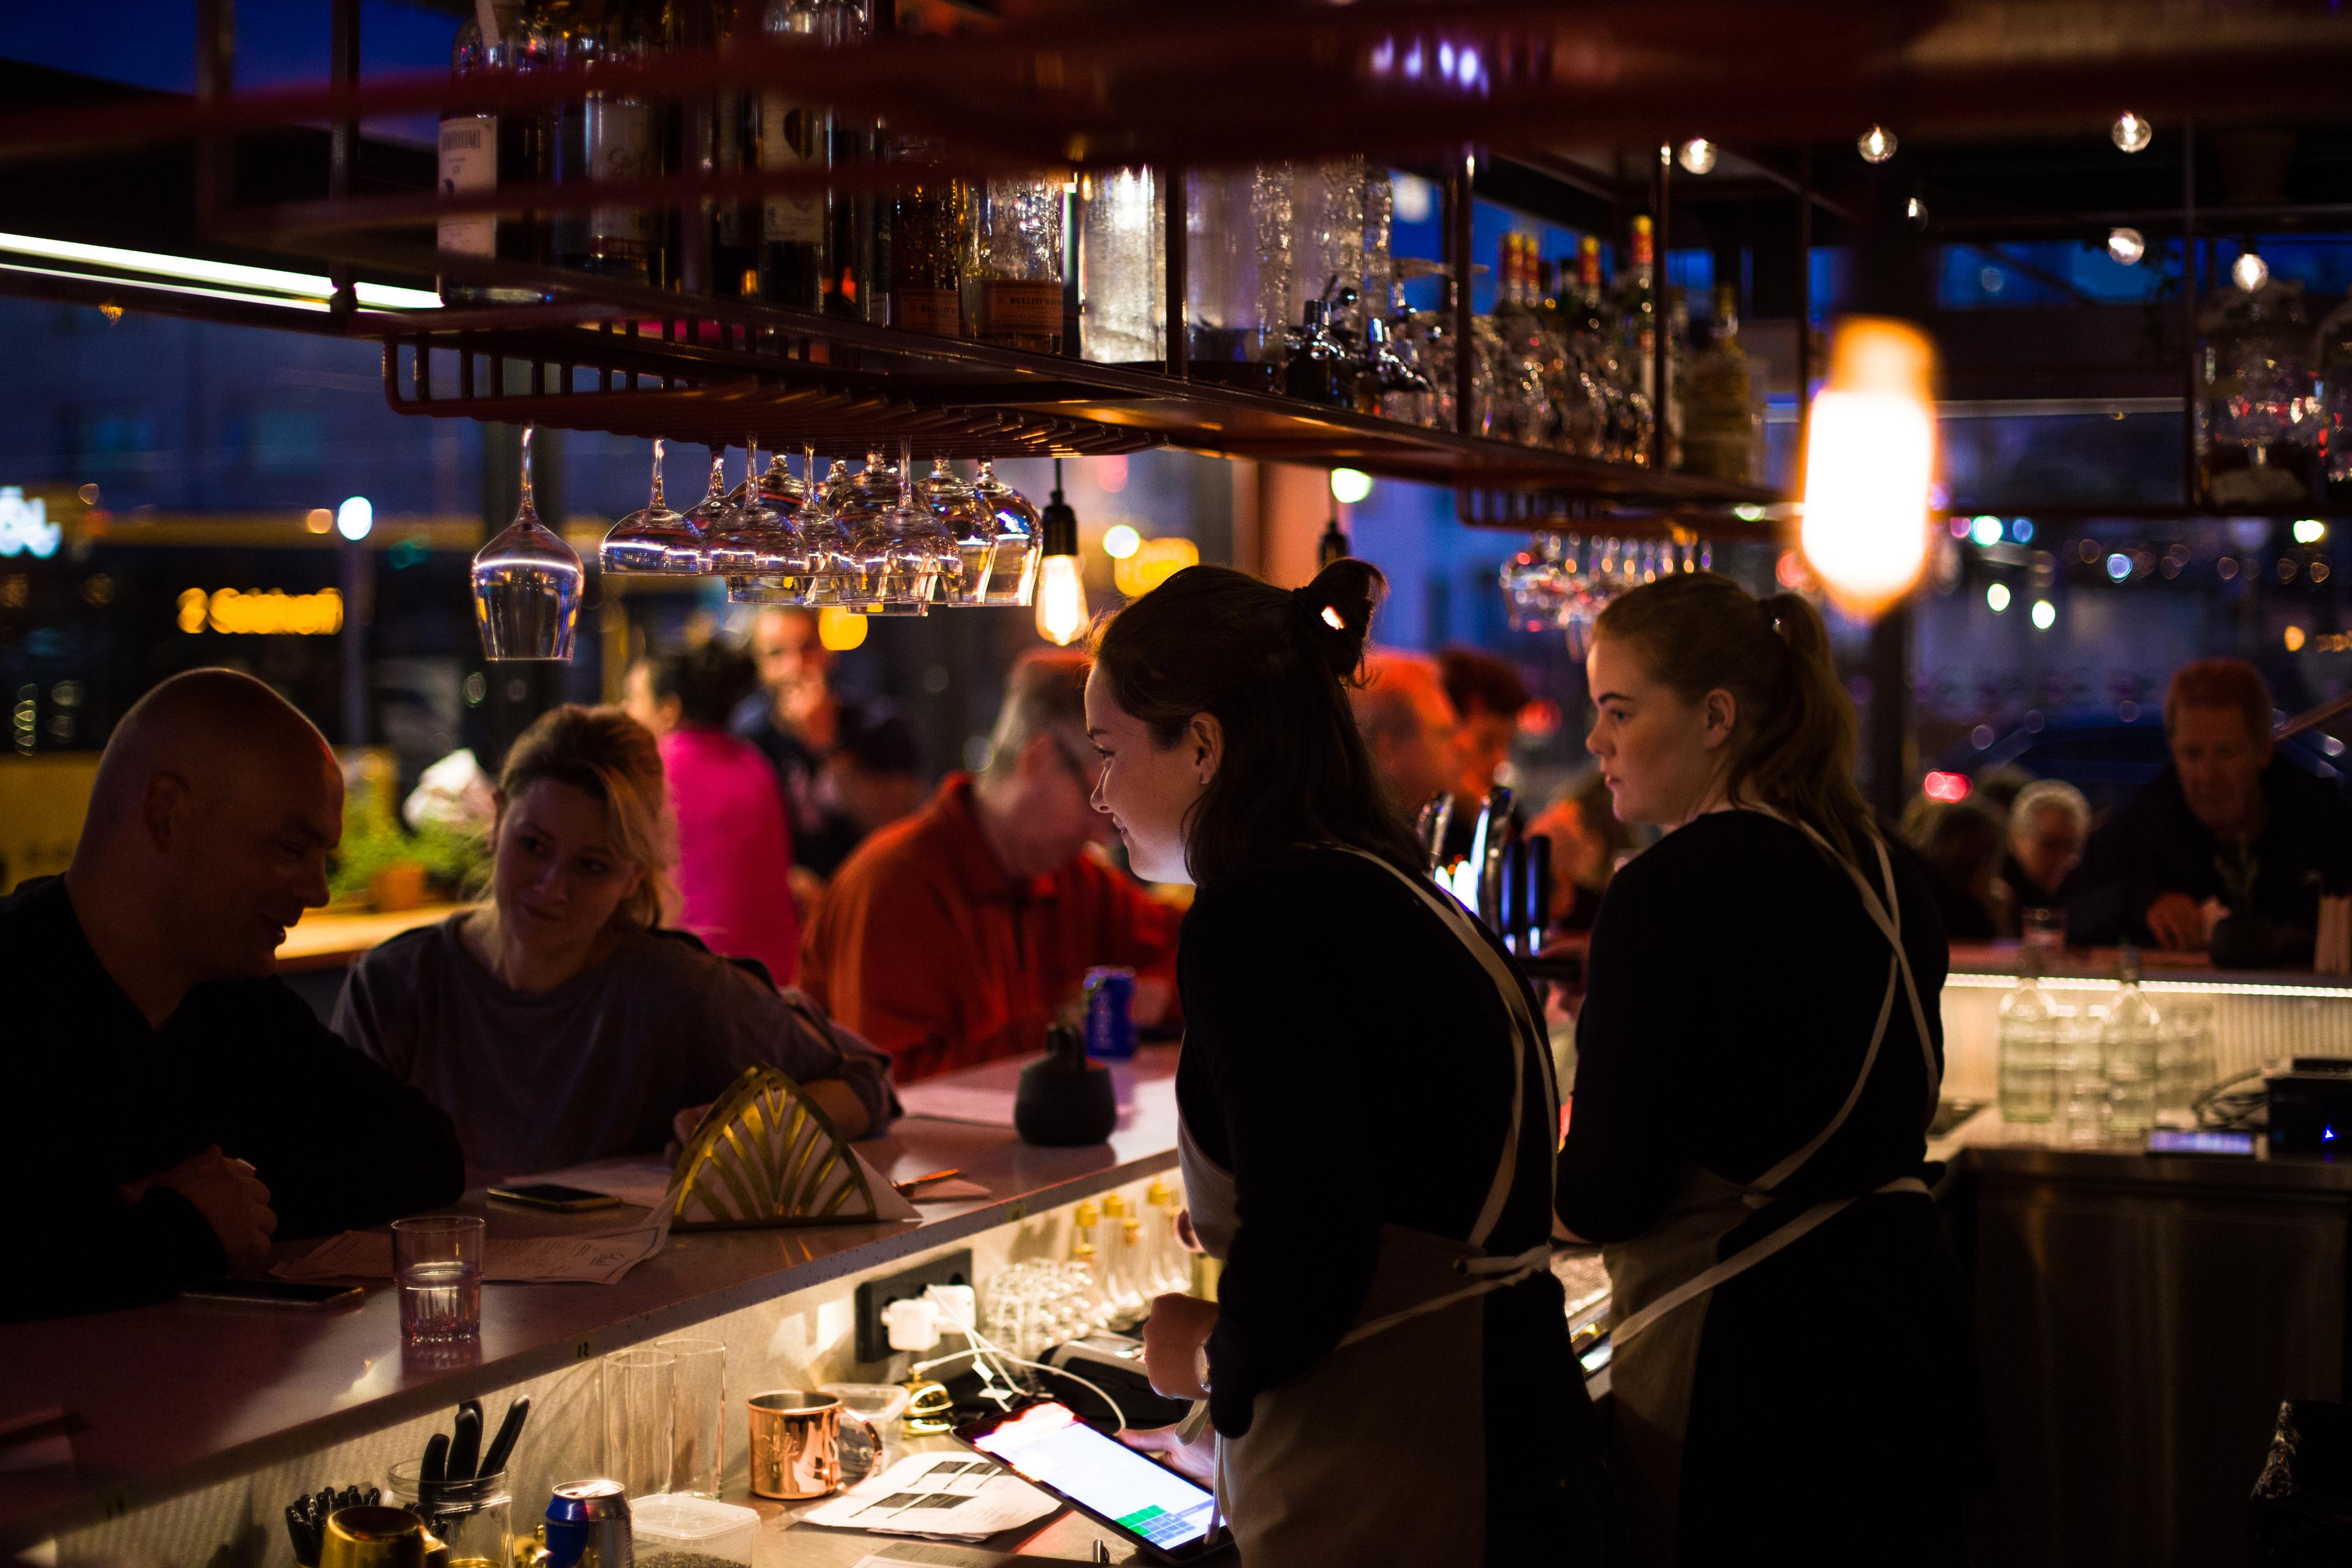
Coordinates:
[734,849]
[2049,824]
[1410,728]
[173,1105]
[2229,848]
[959,934]
[558,1023]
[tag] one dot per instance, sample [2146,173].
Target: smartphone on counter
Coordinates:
[555,1196]
[293,1293]
[1162,1513]
[2200,1140]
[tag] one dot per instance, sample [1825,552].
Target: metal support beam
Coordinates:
[343,147]
[216,77]
[1171,221]
[1661,317]
[1804,302]
[2188,287]
[1458,202]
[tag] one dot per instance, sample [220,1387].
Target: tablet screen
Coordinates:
[1048,1445]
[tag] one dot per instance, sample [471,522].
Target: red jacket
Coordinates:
[928,948]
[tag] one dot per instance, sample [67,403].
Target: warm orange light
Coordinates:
[839,630]
[1870,459]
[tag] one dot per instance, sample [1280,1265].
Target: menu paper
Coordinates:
[599,1260]
[949,1496]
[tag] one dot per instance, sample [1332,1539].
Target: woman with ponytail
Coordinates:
[1367,1111]
[1757,1056]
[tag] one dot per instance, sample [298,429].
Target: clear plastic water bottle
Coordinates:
[2029,1050]
[2128,1044]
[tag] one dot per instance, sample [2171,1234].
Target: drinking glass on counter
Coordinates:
[640,1419]
[2184,1054]
[2042,939]
[438,1263]
[472,1518]
[697,1460]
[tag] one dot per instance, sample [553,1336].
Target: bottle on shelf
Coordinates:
[620,140]
[572,45]
[2129,1038]
[1722,418]
[484,152]
[856,263]
[927,223]
[731,144]
[1122,268]
[1012,269]
[789,136]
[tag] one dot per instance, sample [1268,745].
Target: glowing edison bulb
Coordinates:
[2250,272]
[1061,600]
[1870,461]
[1876,145]
[1698,155]
[2126,246]
[2131,133]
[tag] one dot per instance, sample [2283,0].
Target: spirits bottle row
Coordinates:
[1292,285]
[2275,397]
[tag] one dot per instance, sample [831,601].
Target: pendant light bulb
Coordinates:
[1876,145]
[2126,246]
[2250,272]
[1698,155]
[1061,594]
[2131,133]
[1870,461]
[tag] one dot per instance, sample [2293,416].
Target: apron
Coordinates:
[1657,1279]
[1377,1454]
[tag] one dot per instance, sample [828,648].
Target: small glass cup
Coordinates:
[438,1263]
[472,1518]
[697,1456]
[640,1419]
[2042,937]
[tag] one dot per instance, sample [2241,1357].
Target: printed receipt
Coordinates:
[954,1496]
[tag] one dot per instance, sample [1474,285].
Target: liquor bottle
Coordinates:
[621,144]
[1637,311]
[926,225]
[730,141]
[786,135]
[484,151]
[572,46]
[856,220]
[1721,424]
[1013,265]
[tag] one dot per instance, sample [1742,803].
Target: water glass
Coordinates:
[640,1419]
[2185,1056]
[438,1263]
[2041,940]
[697,1459]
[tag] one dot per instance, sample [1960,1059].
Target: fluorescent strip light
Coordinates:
[229,274]
[278,301]
[1983,982]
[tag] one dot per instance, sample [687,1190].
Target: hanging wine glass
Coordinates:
[527,586]
[965,518]
[900,553]
[709,514]
[827,583]
[656,540]
[1012,564]
[756,545]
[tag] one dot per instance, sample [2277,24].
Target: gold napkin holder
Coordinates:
[766,1154]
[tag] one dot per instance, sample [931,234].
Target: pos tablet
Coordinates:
[1164,1513]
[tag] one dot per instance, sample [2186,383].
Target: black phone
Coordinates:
[1167,1515]
[276,1293]
[555,1195]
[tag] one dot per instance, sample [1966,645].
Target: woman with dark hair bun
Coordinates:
[1757,1056]
[1367,1111]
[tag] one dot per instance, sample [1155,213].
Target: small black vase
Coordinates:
[1064,1100]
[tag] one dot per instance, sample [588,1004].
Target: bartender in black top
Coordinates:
[1757,1056]
[173,1105]
[2229,848]
[1367,1110]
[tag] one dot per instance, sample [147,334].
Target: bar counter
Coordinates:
[193,1425]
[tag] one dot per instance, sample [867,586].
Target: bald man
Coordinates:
[172,1105]
[1409,726]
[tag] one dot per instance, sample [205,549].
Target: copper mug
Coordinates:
[796,1443]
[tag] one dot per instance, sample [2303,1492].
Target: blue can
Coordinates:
[588,1518]
[1110,1014]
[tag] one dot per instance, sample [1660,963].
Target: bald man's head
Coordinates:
[1408,725]
[215,806]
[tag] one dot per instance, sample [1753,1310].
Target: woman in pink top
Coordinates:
[734,849]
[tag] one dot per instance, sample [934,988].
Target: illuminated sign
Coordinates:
[258,613]
[25,525]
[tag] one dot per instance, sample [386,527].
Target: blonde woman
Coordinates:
[557,1022]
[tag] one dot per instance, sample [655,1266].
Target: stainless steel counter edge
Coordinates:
[909,1153]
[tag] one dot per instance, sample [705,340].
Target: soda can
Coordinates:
[1111,1014]
[588,1526]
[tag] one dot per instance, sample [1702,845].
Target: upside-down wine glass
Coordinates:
[656,540]
[1012,564]
[969,529]
[900,553]
[527,586]
[755,545]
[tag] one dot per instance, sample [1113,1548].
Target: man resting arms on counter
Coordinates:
[173,1104]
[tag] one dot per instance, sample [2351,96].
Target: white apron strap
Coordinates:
[1747,1257]
[1523,1032]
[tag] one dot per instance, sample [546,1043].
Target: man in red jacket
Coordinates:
[956,935]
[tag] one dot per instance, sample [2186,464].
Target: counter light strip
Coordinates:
[2181,987]
[280,301]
